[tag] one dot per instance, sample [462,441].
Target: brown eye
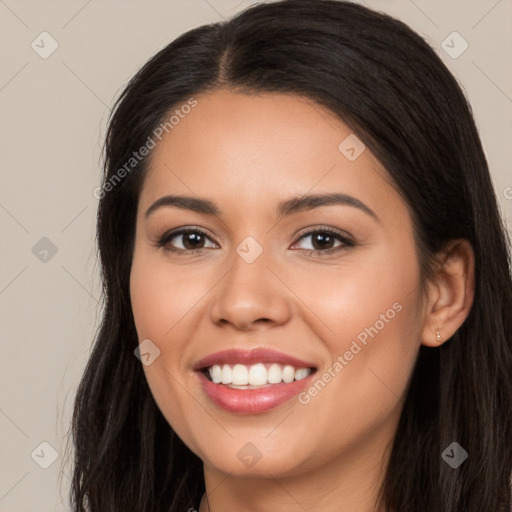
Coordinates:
[325,240]
[192,240]
[322,241]
[185,240]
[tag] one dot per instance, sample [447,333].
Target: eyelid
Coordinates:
[324,229]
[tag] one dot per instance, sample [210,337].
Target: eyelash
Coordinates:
[167,237]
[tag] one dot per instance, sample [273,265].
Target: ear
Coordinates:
[451,293]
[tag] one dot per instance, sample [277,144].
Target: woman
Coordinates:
[301,244]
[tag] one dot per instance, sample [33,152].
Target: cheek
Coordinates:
[372,294]
[369,315]
[165,302]
[160,300]
[161,295]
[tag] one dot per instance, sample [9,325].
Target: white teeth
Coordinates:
[256,374]
[227,375]
[216,373]
[288,374]
[275,374]
[301,373]
[240,375]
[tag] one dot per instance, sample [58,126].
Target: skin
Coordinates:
[247,153]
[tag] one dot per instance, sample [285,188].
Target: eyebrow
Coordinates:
[285,208]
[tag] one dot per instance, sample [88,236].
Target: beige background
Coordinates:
[53,119]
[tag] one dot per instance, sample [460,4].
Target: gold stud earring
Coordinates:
[438,336]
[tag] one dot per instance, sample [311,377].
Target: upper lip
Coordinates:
[256,355]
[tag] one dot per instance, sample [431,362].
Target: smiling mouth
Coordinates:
[254,376]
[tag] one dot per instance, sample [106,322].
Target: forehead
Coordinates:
[257,148]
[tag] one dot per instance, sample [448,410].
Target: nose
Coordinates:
[251,295]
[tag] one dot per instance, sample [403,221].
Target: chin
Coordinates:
[256,458]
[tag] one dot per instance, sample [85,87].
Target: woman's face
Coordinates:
[342,327]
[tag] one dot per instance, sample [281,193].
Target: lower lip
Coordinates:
[252,401]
